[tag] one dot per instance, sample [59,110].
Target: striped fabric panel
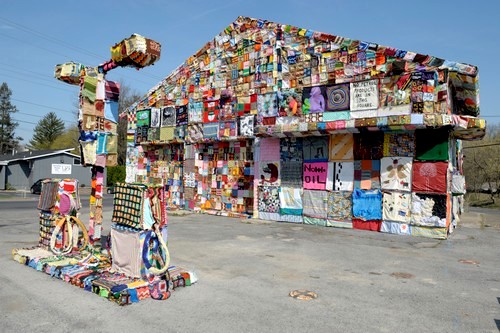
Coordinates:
[341,147]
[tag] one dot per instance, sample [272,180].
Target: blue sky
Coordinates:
[37,35]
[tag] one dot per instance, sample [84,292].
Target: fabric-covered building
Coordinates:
[288,124]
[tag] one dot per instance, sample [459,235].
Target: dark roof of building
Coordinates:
[33,154]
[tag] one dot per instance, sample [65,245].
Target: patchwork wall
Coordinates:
[391,182]
[336,132]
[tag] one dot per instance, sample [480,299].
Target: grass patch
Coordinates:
[482,200]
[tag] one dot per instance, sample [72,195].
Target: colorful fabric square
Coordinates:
[291,173]
[143,118]
[111,111]
[270,149]
[167,133]
[372,225]
[228,129]
[195,112]
[247,126]
[168,116]
[194,133]
[341,147]
[399,144]
[315,221]
[395,173]
[429,177]
[428,210]
[269,173]
[269,201]
[210,111]
[340,176]
[396,207]
[211,131]
[315,175]
[429,232]
[335,116]
[89,152]
[315,149]
[367,174]
[112,91]
[291,149]
[155,117]
[126,252]
[368,145]
[267,105]
[313,99]
[290,201]
[112,143]
[48,194]
[432,145]
[339,206]
[101,143]
[367,204]
[395,228]
[181,115]
[315,204]
[128,205]
[89,87]
[337,97]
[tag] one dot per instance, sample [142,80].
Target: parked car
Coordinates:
[110,189]
[36,188]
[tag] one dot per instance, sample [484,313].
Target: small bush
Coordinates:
[116,174]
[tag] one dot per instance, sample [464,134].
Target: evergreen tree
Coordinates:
[8,141]
[46,132]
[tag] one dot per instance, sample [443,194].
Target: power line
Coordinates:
[65,44]
[44,106]
[488,145]
[45,85]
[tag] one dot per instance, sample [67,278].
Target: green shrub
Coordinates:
[115,174]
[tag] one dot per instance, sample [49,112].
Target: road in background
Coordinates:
[366,281]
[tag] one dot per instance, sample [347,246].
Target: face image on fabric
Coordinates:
[269,172]
[396,173]
[313,99]
[168,116]
[246,126]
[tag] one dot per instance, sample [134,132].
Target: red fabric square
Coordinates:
[372,225]
[429,177]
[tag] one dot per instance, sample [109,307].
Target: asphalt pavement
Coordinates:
[365,281]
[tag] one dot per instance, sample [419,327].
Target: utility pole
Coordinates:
[135,51]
